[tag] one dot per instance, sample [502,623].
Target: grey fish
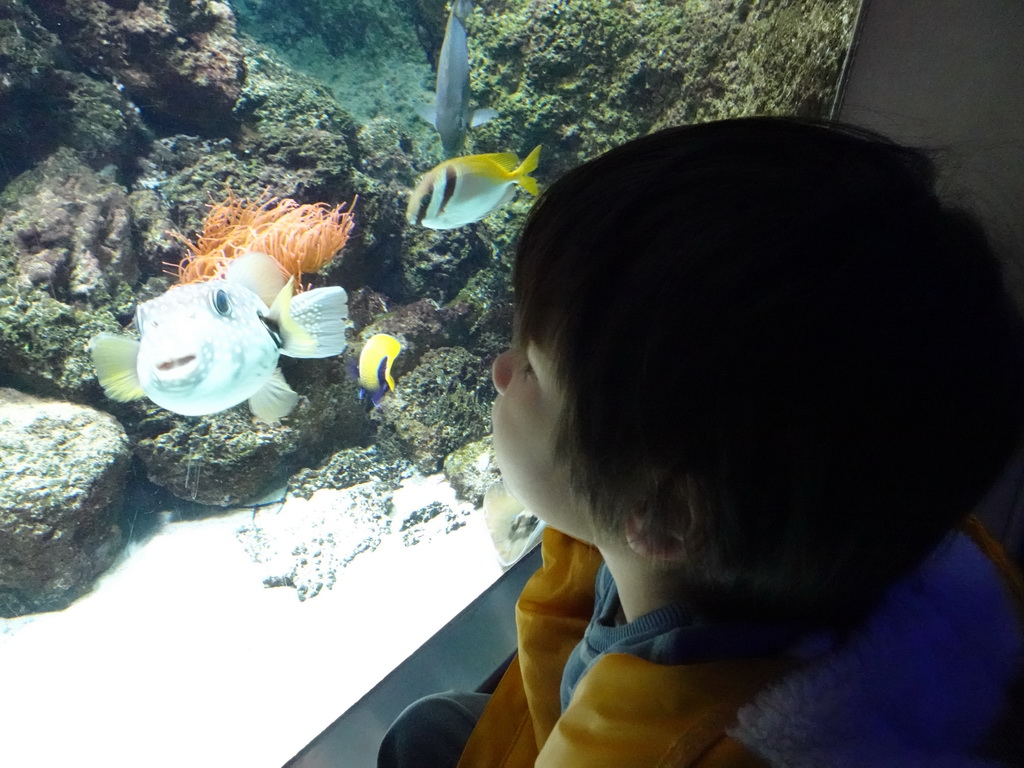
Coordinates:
[450,112]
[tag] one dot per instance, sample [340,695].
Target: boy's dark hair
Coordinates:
[777,343]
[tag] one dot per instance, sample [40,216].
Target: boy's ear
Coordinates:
[649,542]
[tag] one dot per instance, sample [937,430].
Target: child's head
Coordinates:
[774,345]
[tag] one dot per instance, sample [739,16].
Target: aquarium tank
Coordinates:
[247,322]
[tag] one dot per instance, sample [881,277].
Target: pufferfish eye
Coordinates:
[221,302]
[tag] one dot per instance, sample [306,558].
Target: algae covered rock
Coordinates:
[349,467]
[67,261]
[437,407]
[68,229]
[62,477]
[180,61]
[581,77]
[472,469]
[26,47]
[228,458]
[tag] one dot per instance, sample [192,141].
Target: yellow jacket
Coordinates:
[627,712]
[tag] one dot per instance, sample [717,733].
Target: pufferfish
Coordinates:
[465,189]
[205,347]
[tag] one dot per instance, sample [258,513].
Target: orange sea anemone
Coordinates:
[301,238]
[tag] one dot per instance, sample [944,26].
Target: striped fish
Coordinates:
[465,189]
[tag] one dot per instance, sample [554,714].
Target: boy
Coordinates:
[760,377]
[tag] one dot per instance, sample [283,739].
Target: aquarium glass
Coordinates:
[215,539]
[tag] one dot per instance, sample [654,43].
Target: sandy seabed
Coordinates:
[181,657]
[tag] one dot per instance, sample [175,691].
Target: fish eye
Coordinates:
[220,301]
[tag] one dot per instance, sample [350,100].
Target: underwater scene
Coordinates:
[255,264]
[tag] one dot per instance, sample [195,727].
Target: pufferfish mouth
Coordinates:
[177,362]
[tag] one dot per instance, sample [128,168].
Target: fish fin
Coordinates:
[295,340]
[481,116]
[507,161]
[497,166]
[114,358]
[377,396]
[258,272]
[529,165]
[462,9]
[323,314]
[275,400]
[428,112]
[529,184]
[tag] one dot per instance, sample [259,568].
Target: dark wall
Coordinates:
[950,74]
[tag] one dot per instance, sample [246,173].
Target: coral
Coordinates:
[437,263]
[97,121]
[43,344]
[472,469]
[348,467]
[301,238]
[67,261]
[487,297]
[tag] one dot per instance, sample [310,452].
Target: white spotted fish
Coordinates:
[465,189]
[205,347]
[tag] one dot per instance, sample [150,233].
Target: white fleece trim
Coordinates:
[920,684]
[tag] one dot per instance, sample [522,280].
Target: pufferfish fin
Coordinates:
[114,359]
[296,340]
[258,272]
[323,313]
[275,400]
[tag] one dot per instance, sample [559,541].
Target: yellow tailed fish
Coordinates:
[465,189]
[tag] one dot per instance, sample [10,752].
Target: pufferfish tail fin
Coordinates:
[313,323]
[323,313]
[114,358]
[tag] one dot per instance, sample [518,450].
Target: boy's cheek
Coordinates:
[515,448]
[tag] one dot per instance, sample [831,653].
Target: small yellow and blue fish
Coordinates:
[465,189]
[205,347]
[374,371]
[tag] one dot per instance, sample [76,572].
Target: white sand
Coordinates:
[181,657]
